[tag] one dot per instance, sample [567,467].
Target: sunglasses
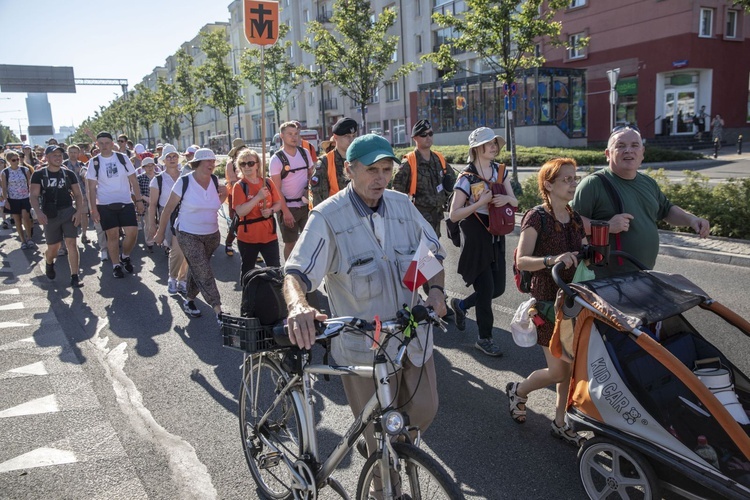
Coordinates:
[427,134]
[626,126]
[571,179]
[13,160]
[250,163]
[122,142]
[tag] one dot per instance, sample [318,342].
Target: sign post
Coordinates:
[612,75]
[262,28]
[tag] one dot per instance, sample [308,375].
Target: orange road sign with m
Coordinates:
[261,22]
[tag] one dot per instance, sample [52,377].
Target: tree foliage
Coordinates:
[190,90]
[166,110]
[7,135]
[280,74]
[357,54]
[504,34]
[223,85]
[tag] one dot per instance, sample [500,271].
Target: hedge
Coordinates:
[726,205]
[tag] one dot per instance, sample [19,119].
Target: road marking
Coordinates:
[41,457]
[32,369]
[9,307]
[188,471]
[12,291]
[46,404]
[12,324]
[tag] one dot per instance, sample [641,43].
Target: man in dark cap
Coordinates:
[425,176]
[329,178]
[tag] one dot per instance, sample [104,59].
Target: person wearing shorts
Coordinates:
[15,184]
[111,178]
[290,170]
[58,187]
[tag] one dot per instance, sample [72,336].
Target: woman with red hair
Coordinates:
[550,233]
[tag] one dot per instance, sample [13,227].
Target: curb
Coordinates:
[705,255]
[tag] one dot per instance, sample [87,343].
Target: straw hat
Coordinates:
[237,144]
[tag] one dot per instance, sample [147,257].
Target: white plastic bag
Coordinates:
[522,328]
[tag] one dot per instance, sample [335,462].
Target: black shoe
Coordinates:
[117,271]
[460,314]
[125,261]
[75,281]
[189,307]
[49,270]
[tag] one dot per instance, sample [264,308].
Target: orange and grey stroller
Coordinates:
[667,409]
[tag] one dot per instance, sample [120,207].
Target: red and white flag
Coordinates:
[423,266]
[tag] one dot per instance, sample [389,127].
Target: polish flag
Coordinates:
[423,266]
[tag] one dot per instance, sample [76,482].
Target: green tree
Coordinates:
[220,80]
[280,75]
[357,53]
[7,135]
[190,89]
[165,106]
[504,33]
[144,108]
[745,4]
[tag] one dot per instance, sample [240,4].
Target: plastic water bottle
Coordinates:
[707,452]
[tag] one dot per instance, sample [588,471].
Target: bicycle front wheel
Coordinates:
[417,475]
[270,432]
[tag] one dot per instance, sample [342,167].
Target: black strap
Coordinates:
[611,191]
[285,163]
[120,157]
[159,183]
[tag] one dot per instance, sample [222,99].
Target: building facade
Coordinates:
[673,57]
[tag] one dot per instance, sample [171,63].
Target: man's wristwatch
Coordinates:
[442,290]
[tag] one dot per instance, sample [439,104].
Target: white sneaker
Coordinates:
[104,255]
[182,287]
[172,287]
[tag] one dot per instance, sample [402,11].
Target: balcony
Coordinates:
[330,104]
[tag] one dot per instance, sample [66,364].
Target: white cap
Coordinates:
[483,135]
[168,149]
[139,149]
[147,161]
[191,149]
[203,154]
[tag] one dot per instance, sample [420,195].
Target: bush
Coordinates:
[537,156]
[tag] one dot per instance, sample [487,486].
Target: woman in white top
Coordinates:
[197,228]
[161,188]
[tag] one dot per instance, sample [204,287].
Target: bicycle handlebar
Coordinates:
[334,326]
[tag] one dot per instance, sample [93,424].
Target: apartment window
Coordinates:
[375,95]
[731,29]
[294,102]
[391,91]
[307,16]
[707,23]
[576,3]
[419,44]
[575,50]
[310,98]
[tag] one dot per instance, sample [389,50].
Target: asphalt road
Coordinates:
[119,395]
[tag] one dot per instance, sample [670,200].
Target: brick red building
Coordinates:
[674,56]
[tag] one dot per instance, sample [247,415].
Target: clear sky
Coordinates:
[102,39]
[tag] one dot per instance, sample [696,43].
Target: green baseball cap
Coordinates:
[369,148]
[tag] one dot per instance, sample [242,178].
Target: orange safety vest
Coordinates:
[311,149]
[411,157]
[333,180]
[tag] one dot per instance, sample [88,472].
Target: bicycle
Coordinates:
[277,425]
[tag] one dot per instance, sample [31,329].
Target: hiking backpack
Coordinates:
[262,295]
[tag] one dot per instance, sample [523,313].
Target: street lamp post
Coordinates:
[239,122]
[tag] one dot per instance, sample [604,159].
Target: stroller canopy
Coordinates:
[645,297]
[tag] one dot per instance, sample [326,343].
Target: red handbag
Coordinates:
[502,219]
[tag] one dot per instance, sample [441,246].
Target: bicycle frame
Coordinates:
[382,371]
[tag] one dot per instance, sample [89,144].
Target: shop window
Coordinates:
[707,23]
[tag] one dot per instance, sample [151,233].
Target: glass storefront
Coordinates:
[543,96]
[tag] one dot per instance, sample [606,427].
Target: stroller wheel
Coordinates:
[610,470]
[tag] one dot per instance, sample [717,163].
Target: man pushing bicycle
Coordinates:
[361,241]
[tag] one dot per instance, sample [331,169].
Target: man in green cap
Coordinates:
[360,241]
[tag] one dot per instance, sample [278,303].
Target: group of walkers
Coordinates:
[341,225]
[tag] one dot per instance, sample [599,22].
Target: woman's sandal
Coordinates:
[516,403]
[229,250]
[566,434]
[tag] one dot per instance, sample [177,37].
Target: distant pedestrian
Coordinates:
[717,129]
[232,174]
[700,122]
[197,228]
[144,182]
[290,169]
[111,179]
[256,199]
[329,177]
[15,184]
[77,167]
[57,187]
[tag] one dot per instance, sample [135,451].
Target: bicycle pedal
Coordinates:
[269,460]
